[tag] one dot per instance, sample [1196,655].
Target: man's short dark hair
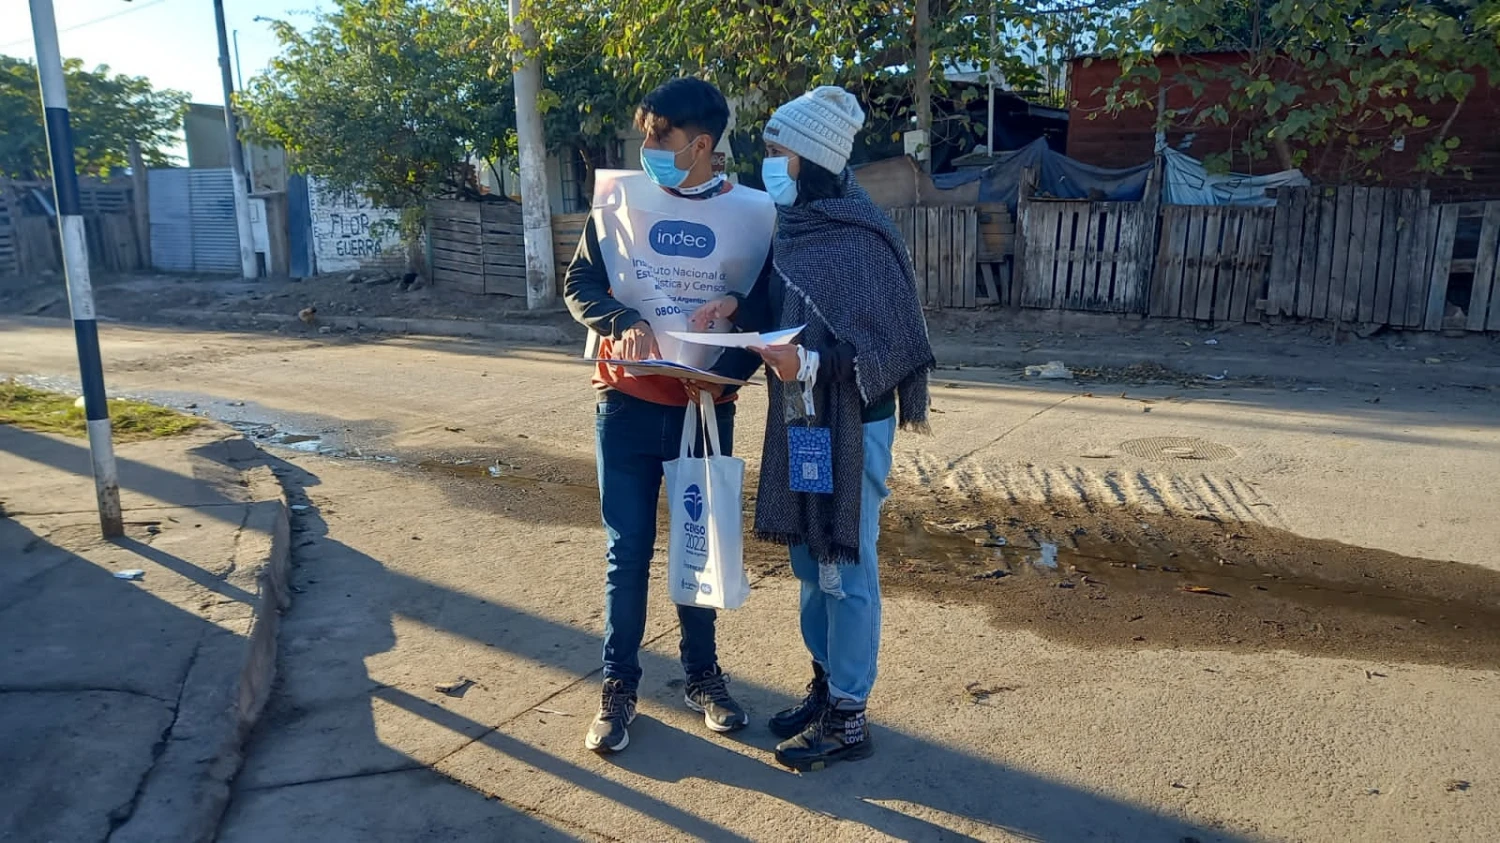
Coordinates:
[692,105]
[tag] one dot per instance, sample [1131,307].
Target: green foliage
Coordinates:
[1326,84]
[108,111]
[389,98]
[762,54]
[1036,41]
[585,101]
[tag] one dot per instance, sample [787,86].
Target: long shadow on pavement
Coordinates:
[92,672]
[321,729]
[364,789]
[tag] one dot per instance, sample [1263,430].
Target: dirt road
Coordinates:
[1169,610]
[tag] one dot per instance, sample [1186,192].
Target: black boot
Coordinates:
[793,720]
[836,735]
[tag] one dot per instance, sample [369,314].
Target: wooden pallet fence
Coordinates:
[112,242]
[453,233]
[10,246]
[478,247]
[1352,254]
[29,240]
[1464,268]
[1082,255]
[567,230]
[944,247]
[504,249]
[995,282]
[1210,263]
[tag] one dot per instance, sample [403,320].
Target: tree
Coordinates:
[585,100]
[1037,41]
[762,54]
[108,111]
[766,52]
[388,98]
[1334,85]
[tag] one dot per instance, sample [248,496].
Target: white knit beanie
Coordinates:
[819,126]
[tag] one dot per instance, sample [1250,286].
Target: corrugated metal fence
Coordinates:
[192,221]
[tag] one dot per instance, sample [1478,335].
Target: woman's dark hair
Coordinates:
[815,182]
[692,105]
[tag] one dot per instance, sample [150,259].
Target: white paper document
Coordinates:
[747,340]
[669,369]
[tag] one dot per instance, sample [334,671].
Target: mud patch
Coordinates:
[1153,581]
[1093,576]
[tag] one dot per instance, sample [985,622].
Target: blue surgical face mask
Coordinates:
[779,183]
[661,166]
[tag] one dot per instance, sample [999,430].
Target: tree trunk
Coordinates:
[536,210]
[922,36]
[1283,153]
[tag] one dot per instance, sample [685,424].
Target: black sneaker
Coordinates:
[792,721]
[708,693]
[609,732]
[836,735]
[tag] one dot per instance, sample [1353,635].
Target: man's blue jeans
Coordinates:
[843,634]
[634,439]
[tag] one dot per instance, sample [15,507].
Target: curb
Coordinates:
[229,682]
[502,331]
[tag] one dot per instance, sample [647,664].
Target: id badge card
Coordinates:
[811,452]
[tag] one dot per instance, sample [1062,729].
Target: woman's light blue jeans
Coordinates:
[843,634]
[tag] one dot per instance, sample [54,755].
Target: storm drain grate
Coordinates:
[1176,448]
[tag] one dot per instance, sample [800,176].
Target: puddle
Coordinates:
[269,435]
[275,435]
[1115,578]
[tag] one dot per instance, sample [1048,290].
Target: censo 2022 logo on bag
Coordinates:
[682,239]
[692,501]
[695,540]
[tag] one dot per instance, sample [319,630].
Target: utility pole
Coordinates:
[924,79]
[239,72]
[141,194]
[75,248]
[248,267]
[536,210]
[989,73]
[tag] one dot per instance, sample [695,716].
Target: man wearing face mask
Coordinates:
[658,245]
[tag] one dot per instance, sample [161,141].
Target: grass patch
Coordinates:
[53,412]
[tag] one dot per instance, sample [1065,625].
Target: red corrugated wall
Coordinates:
[1126,139]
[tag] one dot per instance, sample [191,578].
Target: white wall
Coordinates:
[350,233]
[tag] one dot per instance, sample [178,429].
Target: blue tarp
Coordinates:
[1189,183]
[1186,182]
[1058,176]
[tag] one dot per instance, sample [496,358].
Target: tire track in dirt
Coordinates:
[1212,495]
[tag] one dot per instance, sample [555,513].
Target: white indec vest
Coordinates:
[666,255]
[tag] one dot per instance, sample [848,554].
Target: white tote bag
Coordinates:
[706,552]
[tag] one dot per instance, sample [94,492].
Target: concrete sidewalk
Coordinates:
[124,703]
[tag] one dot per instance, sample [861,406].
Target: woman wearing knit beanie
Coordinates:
[840,268]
